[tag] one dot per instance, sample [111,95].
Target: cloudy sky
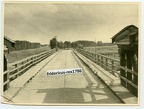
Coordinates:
[39,22]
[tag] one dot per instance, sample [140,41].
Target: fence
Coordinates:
[21,66]
[111,65]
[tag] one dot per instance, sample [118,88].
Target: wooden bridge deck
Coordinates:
[80,88]
[35,86]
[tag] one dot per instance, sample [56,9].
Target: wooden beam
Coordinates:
[122,63]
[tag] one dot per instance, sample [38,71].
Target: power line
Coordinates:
[29,19]
[25,18]
[13,11]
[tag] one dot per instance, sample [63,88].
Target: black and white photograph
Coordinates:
[71,53]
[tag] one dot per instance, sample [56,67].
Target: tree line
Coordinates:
[80,44]
[22,45]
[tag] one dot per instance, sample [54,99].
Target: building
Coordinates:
[127,41]
[8,45]
[128,37]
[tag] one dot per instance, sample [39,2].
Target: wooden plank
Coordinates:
[126,80]
[6,82]
[126,39]
[123,43]
[122,35]
[128,70]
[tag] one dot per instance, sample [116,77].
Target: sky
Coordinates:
[40,22]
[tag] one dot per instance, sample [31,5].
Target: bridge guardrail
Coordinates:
[109,64]
[21,66]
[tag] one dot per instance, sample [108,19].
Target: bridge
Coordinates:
[99,82]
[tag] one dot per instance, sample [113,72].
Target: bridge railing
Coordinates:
[19,67]
[110,64]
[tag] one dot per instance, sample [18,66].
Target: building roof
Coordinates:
[126,28]
[9,39]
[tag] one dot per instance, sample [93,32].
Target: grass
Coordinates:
[104,49]
[21,54]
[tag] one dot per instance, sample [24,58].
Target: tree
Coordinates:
[67,44]
[53,43]
[74,44]
[80,46]
[86,43]
[60,45]
[99,43]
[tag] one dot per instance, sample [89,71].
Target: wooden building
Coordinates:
[8,45]
[127,41]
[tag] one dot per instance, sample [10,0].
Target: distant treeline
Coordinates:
[86,43]
[80,44]
[21,45]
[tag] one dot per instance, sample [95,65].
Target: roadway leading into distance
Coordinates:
[82,88]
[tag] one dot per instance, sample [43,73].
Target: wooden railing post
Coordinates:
[106,63]
[101,61]
[16,65]
[6,80]
[21,68]
[112,66]
[98,59]
[33,60]
[95,58]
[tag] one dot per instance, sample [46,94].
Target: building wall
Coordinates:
[9,44]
